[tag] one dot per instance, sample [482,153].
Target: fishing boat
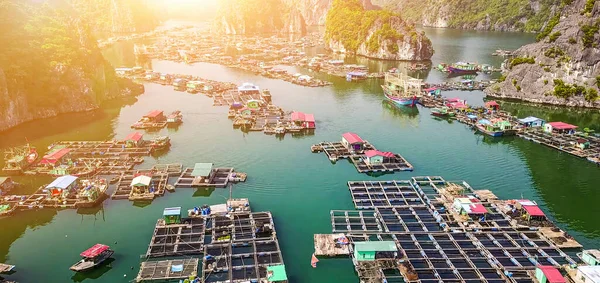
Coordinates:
[160,143]
[175,118]
[279,131]
[463,68]
[231,113]
[93,257]
[91,193]
[6,268]
[442,112]
[17,159]
[486,127]
[402,90]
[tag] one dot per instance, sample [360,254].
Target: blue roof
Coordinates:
[169,211]
[471,116]
[530,119]
[484,122]
[62,182]
[247,86]
[357,74]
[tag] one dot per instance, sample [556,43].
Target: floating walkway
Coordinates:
[427,229]
[168,270]
[210,177]
[365,157]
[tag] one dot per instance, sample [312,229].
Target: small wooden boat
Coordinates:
[6,268]
[93,257]
[442,112]
[170,188]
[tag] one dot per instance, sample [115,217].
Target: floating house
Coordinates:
[548,274]
[180,83]
[353,142]
[492,105]
[531,210]
[172,215]
[559,128]
[591,257]
[62,186]
[141,184]
[56,157]
[376,157]
[155,116]
[276,273]
[202,173]
[307,121]
[468,206]
[532,122]
[6,184]
[248,88]
[588,274]
[134,139]
[374,250]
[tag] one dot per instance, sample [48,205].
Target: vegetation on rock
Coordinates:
[349,23]
[255,16]
[549,27]
[521,60]
[116,16]
[589,32]
[563,90]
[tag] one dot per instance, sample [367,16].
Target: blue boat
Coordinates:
[402,90]
[486,127]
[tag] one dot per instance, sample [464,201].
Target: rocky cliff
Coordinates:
[51,70]
[374,34]
[117,16]
[315,11]
[257,16]
[563,67]
[500,15]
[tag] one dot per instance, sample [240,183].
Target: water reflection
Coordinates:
[399,111]
[203,192]
[94,273]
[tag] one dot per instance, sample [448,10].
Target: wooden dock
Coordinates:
[163,270]
[326,245]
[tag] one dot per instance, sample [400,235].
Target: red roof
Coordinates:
[552,274]
[562,126]
[309,118]
[491,103]
[298,116]
[352,138]
[533,210]
[371,153]
[95,250]
[55,156]
[478,208]
[136,136]
[154,114]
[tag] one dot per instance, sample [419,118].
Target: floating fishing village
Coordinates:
[401,224]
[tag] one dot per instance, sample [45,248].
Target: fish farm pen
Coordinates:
[204,175]
[365,157]
[236,245]
[427,229]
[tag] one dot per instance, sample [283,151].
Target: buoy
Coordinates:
[132,268]
[66,236]
[124,275]
[115,242]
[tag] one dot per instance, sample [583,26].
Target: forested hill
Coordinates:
[50,64]
[501,15]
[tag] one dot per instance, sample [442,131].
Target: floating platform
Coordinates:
[168,270]
[190,237]
[336,150]
[326,245]
[434,242]
[563,142]
[220,178]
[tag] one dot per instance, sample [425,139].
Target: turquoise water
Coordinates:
[298,187]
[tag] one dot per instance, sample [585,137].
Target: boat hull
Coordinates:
[402,101]
[489,133]
[460,71]
[79,267]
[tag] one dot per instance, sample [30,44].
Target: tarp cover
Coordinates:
[202,169]
[62,182]
[95,250]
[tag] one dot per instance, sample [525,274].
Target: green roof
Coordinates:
[375,246]
[202,169]
[278,273]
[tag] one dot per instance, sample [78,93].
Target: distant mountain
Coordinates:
[257,16]
[563,67]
